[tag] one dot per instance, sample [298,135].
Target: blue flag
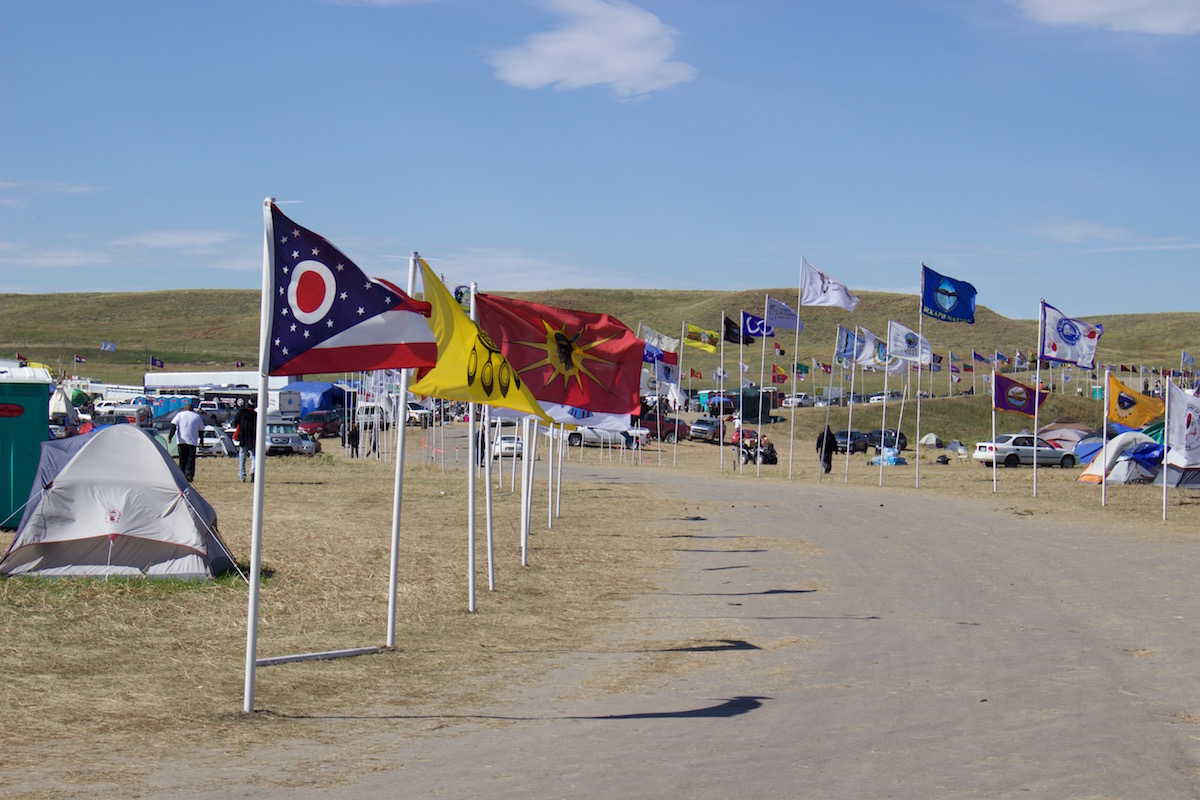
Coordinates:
[945,298]
[755,326]
[108,347]
[848,344]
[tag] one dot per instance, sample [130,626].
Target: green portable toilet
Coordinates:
[24,425]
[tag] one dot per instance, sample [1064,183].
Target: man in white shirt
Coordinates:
[187,424]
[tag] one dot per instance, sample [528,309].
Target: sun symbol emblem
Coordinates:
[566,357]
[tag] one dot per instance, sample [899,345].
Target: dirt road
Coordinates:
[830,642]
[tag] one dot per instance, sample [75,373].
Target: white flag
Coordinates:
[874,354]
[664,343]
[905,344]
[1071,341]
[1183,434]
[780,315]
[745,367]
[819,289]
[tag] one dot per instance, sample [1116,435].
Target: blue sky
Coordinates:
[1036,148]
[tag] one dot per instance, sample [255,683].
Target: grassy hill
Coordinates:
[211,329]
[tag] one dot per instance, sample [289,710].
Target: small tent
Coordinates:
[1178,473]
[1122,447]
[112,503]
[931,440]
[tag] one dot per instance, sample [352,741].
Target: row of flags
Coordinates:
[328,316]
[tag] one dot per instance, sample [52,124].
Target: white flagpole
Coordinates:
[721,392]
[762,373]
[887,373]
[562,447]
[398,484]
[1166,442]
[795,380]
[550,477]
[487,492]
[266,312]
[741,388]
[994,429]
[1104,447]
[850,419]
[1037,388]
[920,371]
[473,458]
[526,457]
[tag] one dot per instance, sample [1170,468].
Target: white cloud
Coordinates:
[1077,231]
[1162,17]
[516,271]
[177,240]
[17,194]
[598,43]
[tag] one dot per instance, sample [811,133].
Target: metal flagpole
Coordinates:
[562,447]
[398,485]
[1037,388]
[487,492]
[794,379]
[1167,439]
[762,371]
[473,458]
[526,457]
[721,392]
[266,312]
[741,429]
[920,370]
[1104,448]
[850,420]
[887,373]
[994,429]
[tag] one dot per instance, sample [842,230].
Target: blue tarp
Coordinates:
[317,396]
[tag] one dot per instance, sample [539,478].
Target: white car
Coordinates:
[508,445]
[1015,449]
[585,435]
[798,400]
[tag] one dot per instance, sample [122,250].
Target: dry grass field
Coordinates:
[99,678]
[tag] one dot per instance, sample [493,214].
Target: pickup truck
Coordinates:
[215,412]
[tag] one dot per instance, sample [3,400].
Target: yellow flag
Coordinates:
[1129,407]
[469,366]
[698,337]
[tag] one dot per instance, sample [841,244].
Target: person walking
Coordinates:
[187,424]
[826,447]
[245,428]
[352,440]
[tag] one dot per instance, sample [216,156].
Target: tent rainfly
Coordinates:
[113,503]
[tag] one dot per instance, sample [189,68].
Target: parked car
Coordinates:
[880,439]
[508,445]
[215,412]
[372,415]
[321,423]
[215,442]
[668,429]
[798,400]
[706,429]
[1015,449]
[878,397]
[585,435]
[285,438]
[855,440]
[419,415]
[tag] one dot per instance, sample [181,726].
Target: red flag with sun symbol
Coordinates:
[577,358]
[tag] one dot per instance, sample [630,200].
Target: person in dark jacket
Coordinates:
[245,424]
[827,446]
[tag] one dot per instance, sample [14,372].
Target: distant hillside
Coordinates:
[212,329]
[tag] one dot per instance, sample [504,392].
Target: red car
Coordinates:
[668,429]
[321,423]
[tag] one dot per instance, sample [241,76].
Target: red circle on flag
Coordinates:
[311,292]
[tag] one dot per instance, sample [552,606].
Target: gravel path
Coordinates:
[834,642]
